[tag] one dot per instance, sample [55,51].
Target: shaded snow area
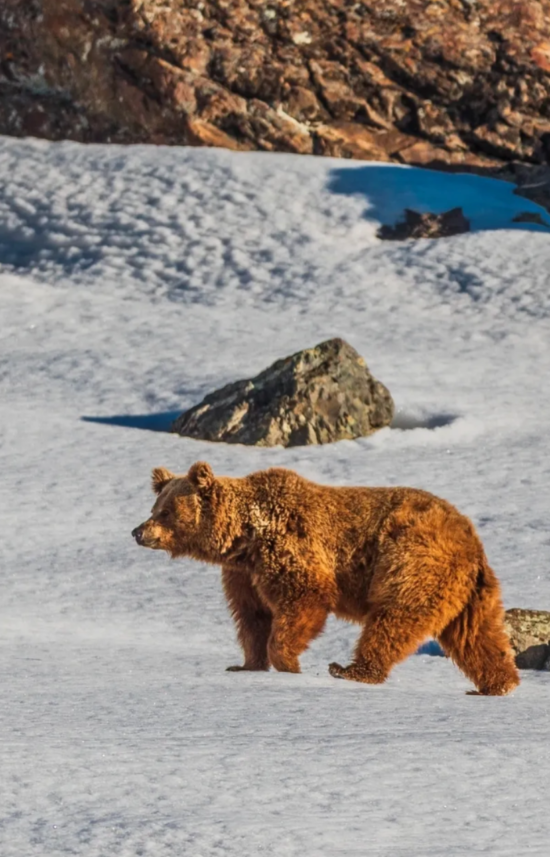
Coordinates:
[132,282]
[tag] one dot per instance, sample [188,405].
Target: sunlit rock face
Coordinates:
[444,83]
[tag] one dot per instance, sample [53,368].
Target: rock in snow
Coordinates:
[529,632]
[418,225]
[315,396]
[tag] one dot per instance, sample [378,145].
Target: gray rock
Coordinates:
[529,632]
[315,396]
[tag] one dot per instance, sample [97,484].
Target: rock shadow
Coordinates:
[163,421]
[407,421]
[150,422]
[390,189]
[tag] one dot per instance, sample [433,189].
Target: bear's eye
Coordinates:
[164,515]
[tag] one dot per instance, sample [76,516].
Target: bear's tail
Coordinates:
[477,641]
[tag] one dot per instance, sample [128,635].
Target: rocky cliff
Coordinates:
[463,82]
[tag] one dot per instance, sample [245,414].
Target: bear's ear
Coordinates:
[201,476]
[160,478]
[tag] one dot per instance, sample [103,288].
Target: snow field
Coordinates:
[132,282]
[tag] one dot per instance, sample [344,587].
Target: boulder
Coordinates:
[529,632]
[315,396]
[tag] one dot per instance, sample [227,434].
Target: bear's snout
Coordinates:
[137,534]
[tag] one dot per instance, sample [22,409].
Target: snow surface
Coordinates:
[132,282]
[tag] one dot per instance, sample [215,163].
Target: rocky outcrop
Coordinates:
[529,632]
[316,396]
[452,82]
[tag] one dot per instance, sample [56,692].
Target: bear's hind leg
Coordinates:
[389,636]
[477,641]
[252,619]
[294,627]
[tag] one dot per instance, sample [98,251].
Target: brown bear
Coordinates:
[403,563]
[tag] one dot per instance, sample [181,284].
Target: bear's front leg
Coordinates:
[295,625]
[252,618]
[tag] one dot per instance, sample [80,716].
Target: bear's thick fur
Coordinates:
[403,563]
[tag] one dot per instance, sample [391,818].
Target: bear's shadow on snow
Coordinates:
[389,189]
[431,647]
[163,420]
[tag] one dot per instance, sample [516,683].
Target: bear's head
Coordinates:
[187,518]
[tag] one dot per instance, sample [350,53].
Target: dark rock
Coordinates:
[530,217]
[529,632]
[418,225]
[532,182]
[315,396]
